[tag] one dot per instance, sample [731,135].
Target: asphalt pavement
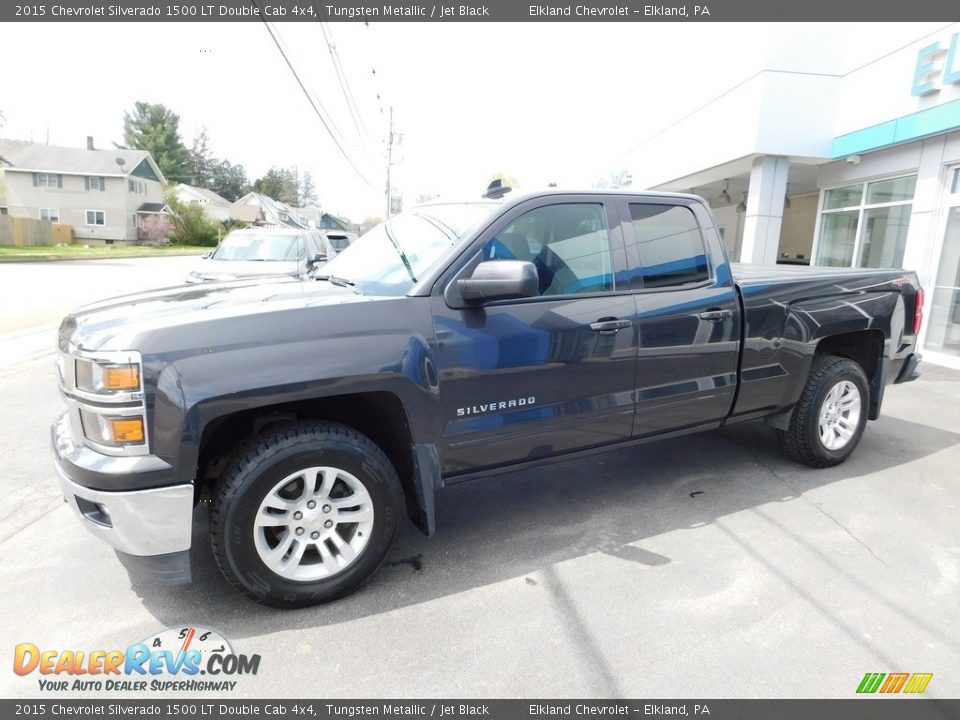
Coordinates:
[40,293]
[707,566]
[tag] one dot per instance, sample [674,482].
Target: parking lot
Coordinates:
[707,566]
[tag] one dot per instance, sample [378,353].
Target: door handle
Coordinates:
[715,315]
[609,326]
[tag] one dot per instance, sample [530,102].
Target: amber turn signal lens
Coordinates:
[121,377]
[127,430]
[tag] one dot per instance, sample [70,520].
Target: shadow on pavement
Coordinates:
[523,523]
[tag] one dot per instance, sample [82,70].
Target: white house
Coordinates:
[274,213]
[215,207]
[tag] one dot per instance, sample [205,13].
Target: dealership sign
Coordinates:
[937,65]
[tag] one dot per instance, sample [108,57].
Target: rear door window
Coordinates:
[671,249]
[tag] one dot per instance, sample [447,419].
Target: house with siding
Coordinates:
[274,213]
[216,207]
[4,164]
[102,194]
[332,222]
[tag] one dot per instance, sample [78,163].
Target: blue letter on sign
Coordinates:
[951,71]
[924,68]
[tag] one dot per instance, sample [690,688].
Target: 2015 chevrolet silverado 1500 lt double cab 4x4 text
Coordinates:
[455,340]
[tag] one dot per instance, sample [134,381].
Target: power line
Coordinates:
[310,99]
[376,85]
[328,116]
[344,84]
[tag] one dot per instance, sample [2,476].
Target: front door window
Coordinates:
[568,243]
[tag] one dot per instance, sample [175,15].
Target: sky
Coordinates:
[541,102]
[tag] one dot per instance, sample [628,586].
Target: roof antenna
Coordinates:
[496,190]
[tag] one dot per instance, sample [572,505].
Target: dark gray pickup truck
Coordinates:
[454,341]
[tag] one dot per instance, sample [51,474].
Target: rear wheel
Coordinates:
[305,514]
[830,416]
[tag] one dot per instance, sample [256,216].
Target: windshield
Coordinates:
[338,242]
[265,247]
[390,258]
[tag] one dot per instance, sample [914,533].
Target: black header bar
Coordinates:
[473,11]
[211,708]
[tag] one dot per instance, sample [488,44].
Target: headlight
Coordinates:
[107,378]
[113,431]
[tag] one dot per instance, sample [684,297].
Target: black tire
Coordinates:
[801,441]
[254,474]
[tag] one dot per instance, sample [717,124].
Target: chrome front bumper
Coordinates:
[155,521]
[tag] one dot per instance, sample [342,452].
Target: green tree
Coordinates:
[201,161]
[156,129]
[619,179]
[189,224]
[307,192]
[371,221]
[229,181]
[507,180]
[279,184]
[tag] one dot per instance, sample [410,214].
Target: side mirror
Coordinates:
[316,259]
[500,280]
[206,256]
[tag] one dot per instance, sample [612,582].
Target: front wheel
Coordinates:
[830,416]
[305,515]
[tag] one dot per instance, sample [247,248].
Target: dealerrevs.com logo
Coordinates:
[172,660]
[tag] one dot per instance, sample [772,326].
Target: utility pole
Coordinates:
[389,164]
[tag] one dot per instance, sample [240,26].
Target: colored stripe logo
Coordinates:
[894,683]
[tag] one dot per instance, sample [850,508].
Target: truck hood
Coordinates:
[120,323]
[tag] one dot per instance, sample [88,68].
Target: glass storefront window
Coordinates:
[944,331]
[849,196]
[866,225]
[884,236]
[838,234]
[896,190]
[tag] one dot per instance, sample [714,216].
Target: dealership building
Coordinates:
[811,162]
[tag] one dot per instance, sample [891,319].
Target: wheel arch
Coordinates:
[379,415]
[867,349]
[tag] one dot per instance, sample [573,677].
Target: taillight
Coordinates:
[917,311]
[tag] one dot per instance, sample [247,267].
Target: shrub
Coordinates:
[156,229]
[190,225]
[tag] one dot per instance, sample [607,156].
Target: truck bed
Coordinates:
[748,275]
[789,309]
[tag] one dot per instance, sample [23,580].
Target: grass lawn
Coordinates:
[8,253]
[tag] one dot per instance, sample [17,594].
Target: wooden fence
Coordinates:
[29,232]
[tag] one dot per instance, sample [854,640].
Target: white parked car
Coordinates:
[261,252]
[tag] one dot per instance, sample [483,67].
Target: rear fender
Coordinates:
[835,324]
